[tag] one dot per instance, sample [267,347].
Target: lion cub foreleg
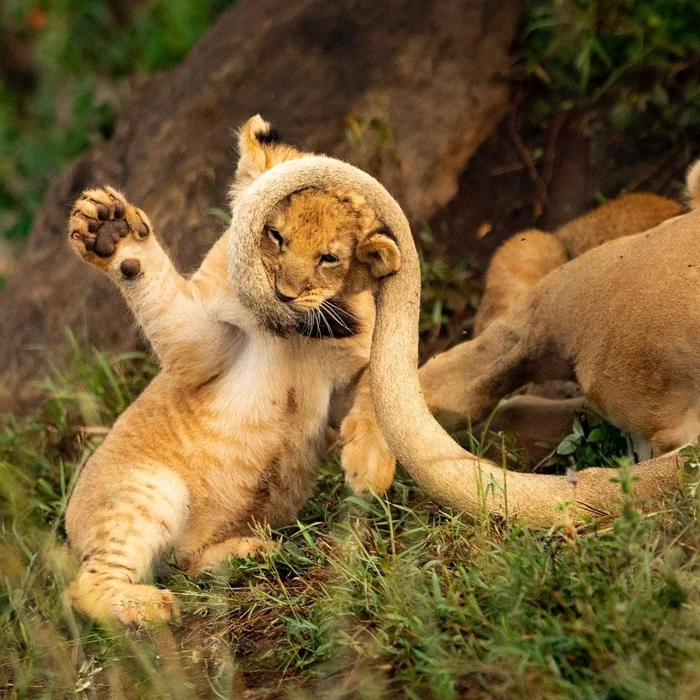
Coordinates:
[216,555]
[367,461]
[117,238]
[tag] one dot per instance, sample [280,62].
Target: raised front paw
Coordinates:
[367,461]
[107,231]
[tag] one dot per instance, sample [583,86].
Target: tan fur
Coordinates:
[495,359]
[517,266]
[230,432]
[618,217]
[525,258]
[624,216]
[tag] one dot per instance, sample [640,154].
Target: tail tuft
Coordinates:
[692,183]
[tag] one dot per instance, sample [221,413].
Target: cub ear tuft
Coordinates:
[692,180]
[259,149]
[253,136]
[268,137]
[380,252]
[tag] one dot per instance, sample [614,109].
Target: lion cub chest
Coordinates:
[271,383]
[273,401]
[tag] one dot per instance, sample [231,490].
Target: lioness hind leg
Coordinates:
[461,386]
[533,419]
[668,439]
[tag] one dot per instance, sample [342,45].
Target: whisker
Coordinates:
[325,320]
[314,315]
[347,319]
[327,306]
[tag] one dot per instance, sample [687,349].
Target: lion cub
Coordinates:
[230,433]
[526,257]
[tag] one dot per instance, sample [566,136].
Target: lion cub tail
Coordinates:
[692,183]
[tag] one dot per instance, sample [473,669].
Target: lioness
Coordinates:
[230,432]
[544,412]
[597,319]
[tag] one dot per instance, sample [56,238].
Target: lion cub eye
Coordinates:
[275,235]
[328,259]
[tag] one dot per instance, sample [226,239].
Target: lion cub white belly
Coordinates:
[271,410]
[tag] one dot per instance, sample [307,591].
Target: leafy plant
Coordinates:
[446,287]
[637,61]
[592,445]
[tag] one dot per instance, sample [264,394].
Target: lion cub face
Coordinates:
[319,246]
[323,244]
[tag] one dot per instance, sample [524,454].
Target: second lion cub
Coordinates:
[231,431]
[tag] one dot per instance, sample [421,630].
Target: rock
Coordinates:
[8,257]
[406,89]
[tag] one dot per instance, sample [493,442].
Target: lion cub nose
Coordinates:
[282,296]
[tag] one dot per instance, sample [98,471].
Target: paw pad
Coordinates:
[101,219]
[106,238]
[130,268]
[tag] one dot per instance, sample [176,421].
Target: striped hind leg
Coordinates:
[119,542]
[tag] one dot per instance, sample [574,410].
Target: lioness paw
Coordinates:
[367,461]
[105,230]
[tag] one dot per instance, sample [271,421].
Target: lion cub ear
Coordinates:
[259,147]
[380,252]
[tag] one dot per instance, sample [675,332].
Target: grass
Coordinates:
[393,597]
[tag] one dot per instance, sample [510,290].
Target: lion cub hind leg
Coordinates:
[119,544]
[109,598]
[215,555]
[366,459]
